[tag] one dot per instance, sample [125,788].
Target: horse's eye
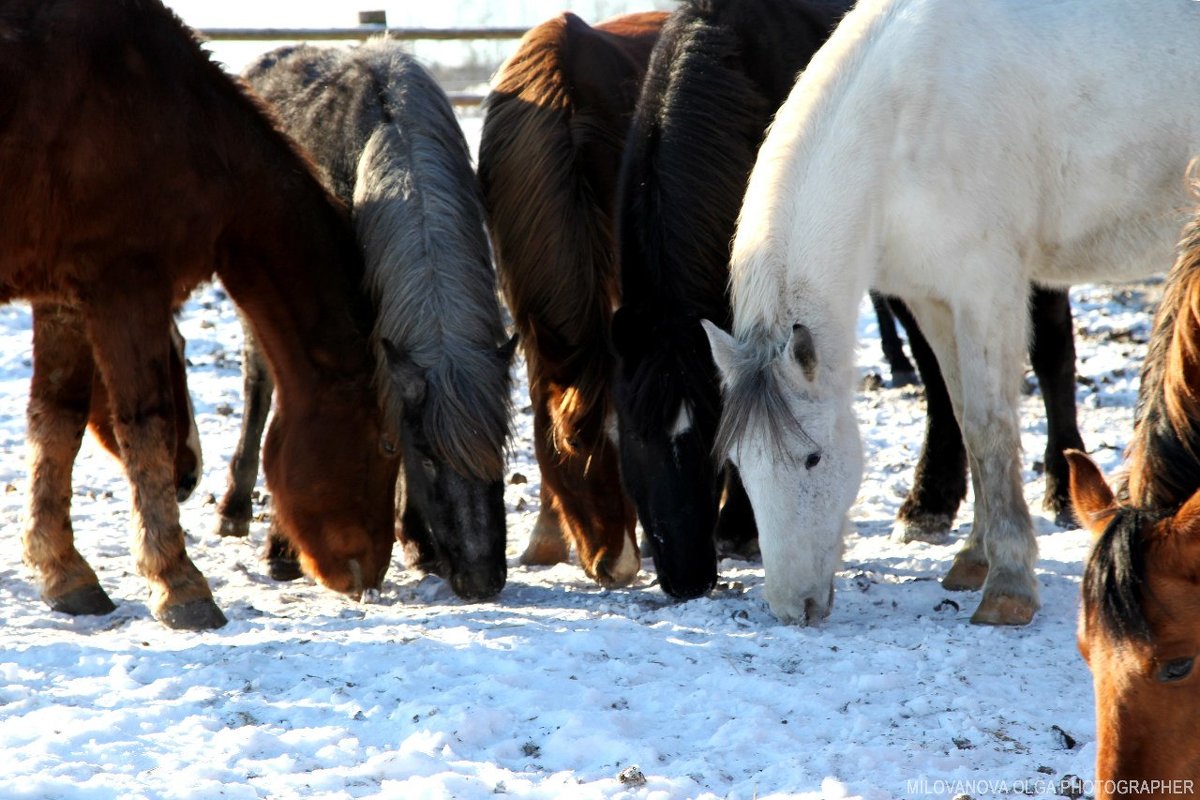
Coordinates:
[812,460]
[387,446]
[1175,670]
[429,467]
[573,442]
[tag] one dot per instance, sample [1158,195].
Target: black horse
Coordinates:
[718,73]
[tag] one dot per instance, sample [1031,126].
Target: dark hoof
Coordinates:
[905,378]
[228,526]
[90,600]
[197,615]
[284,569]
[742,550]
[928,528]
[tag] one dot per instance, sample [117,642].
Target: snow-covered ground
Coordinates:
[559,686]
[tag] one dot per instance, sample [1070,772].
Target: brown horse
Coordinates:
[1139,628]
[133,168]
[549,155]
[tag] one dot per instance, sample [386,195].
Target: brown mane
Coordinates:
[1164,454]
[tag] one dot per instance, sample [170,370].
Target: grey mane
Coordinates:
[398,157]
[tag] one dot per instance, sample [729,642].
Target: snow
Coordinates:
[559,688]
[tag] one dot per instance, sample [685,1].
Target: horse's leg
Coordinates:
[988,346]
[970,567]
[548,541]
[134,358]
[236,508]
[736,534]
[940,478]
[59,400]
[1052,352]
[899,366]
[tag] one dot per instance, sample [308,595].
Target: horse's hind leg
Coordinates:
[59,399]
[940,478]
[1052,352]
[133,359]
[236,508]
[899,366]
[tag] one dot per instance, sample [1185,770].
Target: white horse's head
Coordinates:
[797,448]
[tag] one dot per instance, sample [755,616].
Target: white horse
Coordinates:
[950,153]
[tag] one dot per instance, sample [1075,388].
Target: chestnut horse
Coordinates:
[388,144]
[163,170]
[1139,628]
[549,154]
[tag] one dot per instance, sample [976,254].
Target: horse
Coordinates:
[554,128]
[719,72]
[1137,626]
[950,154]
[387,142]
[162,171]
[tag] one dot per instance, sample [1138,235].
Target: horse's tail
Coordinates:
[551,225]
[420,221]
[1164,454]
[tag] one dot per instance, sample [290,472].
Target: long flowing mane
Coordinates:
[1114,579]
[1164,456]
[396,153]
[556,220]
[718,73]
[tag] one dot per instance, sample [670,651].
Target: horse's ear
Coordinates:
[1090,495]
[505,351]
[407,377]
[723,346]
[803,351]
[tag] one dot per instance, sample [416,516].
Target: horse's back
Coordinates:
[1062,127]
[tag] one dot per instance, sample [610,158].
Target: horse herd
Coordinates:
[682,230]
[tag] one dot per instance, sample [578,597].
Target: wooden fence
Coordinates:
[375,25]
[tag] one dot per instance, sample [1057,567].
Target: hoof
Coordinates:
[903,377]
[228,526]
[965,576]
[1004,609]
[746,550]
[197,615]
[90,600]
[543,553]
[928,528]
[284,569]
[1064,515]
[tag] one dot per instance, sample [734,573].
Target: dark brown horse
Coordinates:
[133,168]
[1139,628]
[549,155]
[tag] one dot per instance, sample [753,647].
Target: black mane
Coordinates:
[1114,579]
[720,70]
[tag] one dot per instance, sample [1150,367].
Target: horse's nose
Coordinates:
[478,586]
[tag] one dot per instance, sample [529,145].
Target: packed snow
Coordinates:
[558,689]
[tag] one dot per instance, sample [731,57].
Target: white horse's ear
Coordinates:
[723,346]
[803,350]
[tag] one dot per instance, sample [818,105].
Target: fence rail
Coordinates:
[362,32]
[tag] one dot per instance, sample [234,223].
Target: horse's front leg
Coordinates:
[982,363]
[59,399]
[129,334]
[236,508]
[1052,352]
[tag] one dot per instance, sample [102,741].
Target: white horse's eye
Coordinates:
[812,460]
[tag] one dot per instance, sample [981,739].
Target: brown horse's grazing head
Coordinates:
[343,529]
[1139,631]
